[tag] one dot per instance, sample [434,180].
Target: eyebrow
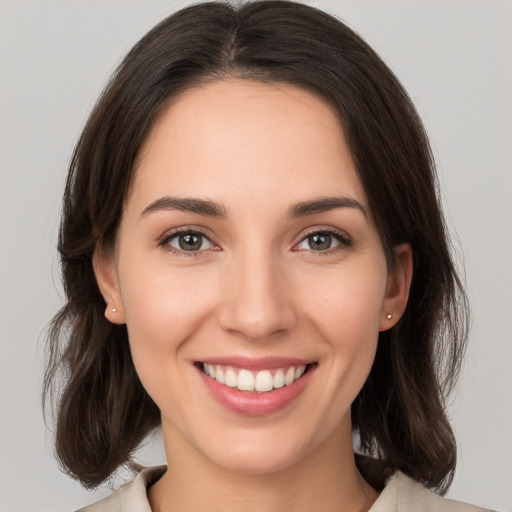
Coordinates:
[213,209]
[324,204]
[201,206]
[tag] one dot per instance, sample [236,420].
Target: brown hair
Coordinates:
[103,412]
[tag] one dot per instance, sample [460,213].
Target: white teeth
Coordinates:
[219,376]
[279,379]
[246,380]
[230,378]
[289,377]
[264,381]
[299,372]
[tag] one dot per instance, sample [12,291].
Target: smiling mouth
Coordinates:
[262,381]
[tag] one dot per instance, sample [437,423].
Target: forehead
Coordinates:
[245,136]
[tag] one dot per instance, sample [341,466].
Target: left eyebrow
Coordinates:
[324,204]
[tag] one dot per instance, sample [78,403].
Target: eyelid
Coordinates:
[342,236]
[164,240]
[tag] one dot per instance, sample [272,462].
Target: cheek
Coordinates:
[346,315]
[161,301]
[162,312]
[348,303]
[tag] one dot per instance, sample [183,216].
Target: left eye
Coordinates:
[320,241]
[190,241]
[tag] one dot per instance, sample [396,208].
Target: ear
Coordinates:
[397,288]
[103,263]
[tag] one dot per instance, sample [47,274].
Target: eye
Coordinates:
[189,241]
[322,241]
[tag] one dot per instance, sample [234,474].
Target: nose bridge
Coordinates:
[258,301]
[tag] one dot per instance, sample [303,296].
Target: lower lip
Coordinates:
[253,403]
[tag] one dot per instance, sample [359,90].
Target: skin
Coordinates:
[255,288]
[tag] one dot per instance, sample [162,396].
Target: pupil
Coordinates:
[320,241]
[190,242]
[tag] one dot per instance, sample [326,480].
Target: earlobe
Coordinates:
[397,289]
[106,276]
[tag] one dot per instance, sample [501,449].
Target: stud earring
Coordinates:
[114,310]
[389,316]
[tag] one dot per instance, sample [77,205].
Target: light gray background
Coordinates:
[453,56]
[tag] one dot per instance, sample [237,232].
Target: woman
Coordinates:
[254,257]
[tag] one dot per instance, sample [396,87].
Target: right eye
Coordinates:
[189,241]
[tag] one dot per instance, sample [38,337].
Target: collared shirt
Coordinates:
[401,494]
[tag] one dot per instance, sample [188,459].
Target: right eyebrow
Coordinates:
[201,206]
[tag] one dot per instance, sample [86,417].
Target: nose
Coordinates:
[258,298]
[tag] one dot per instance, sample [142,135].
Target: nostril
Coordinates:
[257,307]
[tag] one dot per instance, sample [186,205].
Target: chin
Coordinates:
[264,451]
[256,462]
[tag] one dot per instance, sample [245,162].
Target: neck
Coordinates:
[326,480]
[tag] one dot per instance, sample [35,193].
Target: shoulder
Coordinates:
[130,497]
[402,494]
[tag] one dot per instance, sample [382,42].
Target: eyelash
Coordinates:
[344,241]
[165,242]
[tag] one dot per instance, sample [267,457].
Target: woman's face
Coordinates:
[247,250]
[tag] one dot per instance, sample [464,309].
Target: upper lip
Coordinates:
[256,364]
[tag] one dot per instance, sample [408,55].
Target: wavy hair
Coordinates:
[102,411]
